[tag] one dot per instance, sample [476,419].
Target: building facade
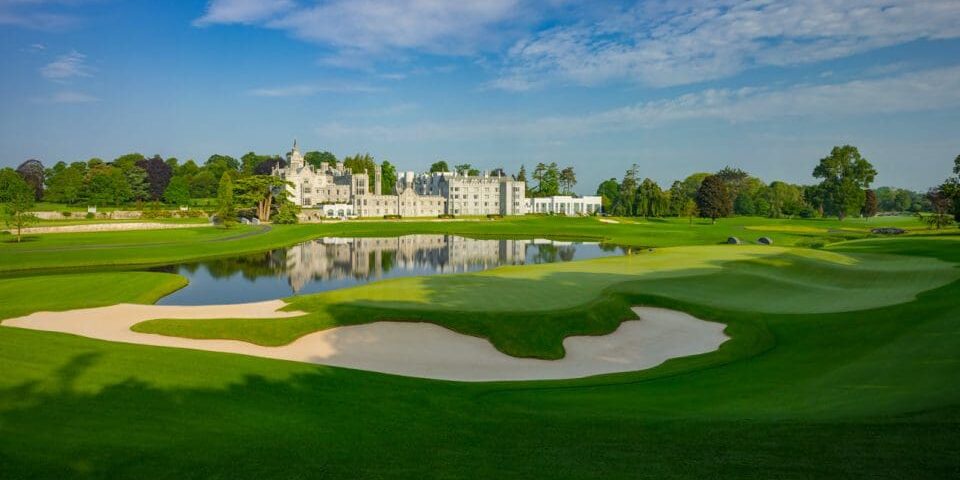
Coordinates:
[334,190]
[470,195]
[310,187]
[565,205]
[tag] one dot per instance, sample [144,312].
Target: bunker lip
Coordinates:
[420,350]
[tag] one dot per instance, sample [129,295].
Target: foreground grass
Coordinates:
[843,364]
[855,394]
[65,292]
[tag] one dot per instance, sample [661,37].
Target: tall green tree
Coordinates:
[65,182]
[139,186]
[609,192]
[261,192]
[870,205]
[128,160]
[651,201]
[316,158]
[568,180]
[783,199]
[538,172]
[9,181]
[388,178]
[550,181]
[628,193]
[689,209]
[226,208]
[362,163]
[522,174]
[218,164]
[177,192]
[950,190]
[713,199]
[845,175]
[678,199]
[203,185]
[439,167]
[19,198]
[941,207]
[463,168]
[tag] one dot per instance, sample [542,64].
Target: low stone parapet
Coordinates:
[108,227]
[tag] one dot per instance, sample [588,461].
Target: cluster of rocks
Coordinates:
[888,231]
[250,221]
[761,240]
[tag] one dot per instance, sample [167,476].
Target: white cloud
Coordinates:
[67,66]
[306,90]
[671,43]
[242,11]
[358,28]
[921,91]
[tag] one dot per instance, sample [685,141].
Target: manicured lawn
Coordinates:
[843,363]
[64,250]
[528,310]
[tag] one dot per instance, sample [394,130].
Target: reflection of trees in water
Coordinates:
[388,260]
[365,259]
[545,254]
[608,247]
[549,253]
[251,267]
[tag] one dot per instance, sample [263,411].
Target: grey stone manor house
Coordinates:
[333,190]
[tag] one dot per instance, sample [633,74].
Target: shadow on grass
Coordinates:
[335,423]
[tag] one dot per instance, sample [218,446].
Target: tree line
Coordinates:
[844,190]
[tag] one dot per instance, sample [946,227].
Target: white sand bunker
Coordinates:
[412,349]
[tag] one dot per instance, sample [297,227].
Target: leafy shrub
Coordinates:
[392,217]
[66,214]
[446,215]
[287,214]
[808,212]
[91,215]
[494,216]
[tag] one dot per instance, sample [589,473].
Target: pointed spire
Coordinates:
[294,143]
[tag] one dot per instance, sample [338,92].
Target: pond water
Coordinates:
[332,262]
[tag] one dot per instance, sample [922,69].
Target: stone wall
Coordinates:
[110,227]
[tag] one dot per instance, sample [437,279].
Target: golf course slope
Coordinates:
[411,349]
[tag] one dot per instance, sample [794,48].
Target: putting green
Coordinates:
[545,303]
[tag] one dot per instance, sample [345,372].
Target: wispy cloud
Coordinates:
[68,97]
[67,66]
[242,11]
[48,15]
[664,43]
[305,90]
[374,28]
[921,91]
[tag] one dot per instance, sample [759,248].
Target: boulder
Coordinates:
[888,231]
[734,241]
[244,221]
[255,221]
[765,240]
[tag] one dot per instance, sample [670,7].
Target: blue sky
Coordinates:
[676,87]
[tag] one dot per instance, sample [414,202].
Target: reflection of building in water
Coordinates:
[365,258]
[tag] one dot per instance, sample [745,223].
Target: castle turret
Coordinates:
[294,158]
